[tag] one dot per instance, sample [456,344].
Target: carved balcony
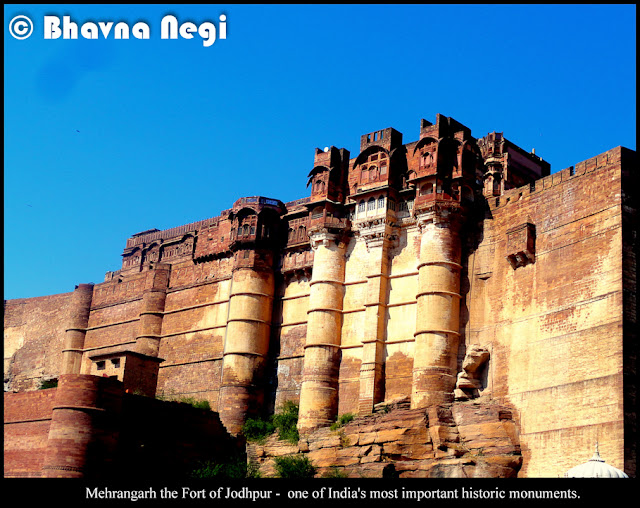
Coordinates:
[439,200]
[322,221]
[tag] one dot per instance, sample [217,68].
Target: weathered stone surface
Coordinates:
[366,298]
[471,439]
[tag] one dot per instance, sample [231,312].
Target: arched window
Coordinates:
[371,204]
[361,206]
[381,202]
[427,188]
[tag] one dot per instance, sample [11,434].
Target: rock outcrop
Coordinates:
[472,439]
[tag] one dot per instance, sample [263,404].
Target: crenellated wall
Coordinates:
[555,325]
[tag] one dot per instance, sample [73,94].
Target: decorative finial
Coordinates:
[596,456]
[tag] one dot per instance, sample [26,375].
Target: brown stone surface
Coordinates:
[464,439]
[34,331]
[89,427]
[367,290]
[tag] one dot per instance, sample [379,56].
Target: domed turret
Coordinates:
[595,468]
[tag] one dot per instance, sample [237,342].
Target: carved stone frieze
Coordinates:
[375,232]
[440,216]
[326,238]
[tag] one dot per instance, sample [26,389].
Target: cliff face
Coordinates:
[474,439]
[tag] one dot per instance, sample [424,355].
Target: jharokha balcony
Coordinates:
[436,199]
[326,220]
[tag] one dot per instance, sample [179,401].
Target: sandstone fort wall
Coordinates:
[378,300]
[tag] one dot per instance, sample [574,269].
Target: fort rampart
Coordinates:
[402,264]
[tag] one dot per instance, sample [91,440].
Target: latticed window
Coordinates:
[381,202]
[371,204]
[247,226]
[364,175]
[361,206]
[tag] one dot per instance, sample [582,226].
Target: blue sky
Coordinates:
[171,131]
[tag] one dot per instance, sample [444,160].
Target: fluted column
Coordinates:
[319,390]
[378,238]
[75,334]
[246,345]
[437,320]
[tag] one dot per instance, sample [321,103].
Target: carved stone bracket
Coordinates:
[444,216]
[376,232]
[521,245]
[298,273]
[325,238]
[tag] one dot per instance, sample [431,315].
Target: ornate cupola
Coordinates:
[448,159]
[328,180]
[328,177]
[255,222]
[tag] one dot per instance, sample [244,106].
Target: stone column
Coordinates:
[152,311]
[319,390]
[83,432]
[246,343]
[378,242]
[437,320]
[75,334]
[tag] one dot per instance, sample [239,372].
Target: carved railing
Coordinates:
[439,198]
[170,233]
[328,221]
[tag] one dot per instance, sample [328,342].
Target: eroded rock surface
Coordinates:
[472,439]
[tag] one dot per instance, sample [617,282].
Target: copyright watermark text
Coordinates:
[21,27]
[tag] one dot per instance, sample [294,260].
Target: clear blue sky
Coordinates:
[171,132]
